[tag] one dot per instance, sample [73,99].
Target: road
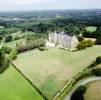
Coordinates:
[83,82]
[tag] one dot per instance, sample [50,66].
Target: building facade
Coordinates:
[63,39]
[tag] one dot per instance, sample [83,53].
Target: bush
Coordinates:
[96,72]
[79,92]
[80,38]
[2,58]
[8,38]
[89,43]
[98,60]
[92,65]
[84,44]
[81,45]
[98,41]
[13,54]
[7,49]
[82,75]
[41,48]
[16,38]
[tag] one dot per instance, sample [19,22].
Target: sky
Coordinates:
[16,5]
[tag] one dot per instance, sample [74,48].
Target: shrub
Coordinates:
[41,48]
[8,38]
[13,54]
[98,60]
[92,65]
[84,44]
[16,38]
[81,45]
[96,72]
[89,43]
[7,49]
[2,58]
[82,75]
[80,38]
[98,41]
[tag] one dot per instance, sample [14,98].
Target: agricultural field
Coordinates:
[15,87]
[49,70]
[93,91]
[91,28]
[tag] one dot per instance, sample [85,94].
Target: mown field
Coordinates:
[50,70]
[14,87]
[93,91]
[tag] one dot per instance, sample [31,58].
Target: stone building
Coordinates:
[63,39]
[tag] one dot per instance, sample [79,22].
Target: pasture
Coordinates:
[14,87]
[49,70]
[93,91]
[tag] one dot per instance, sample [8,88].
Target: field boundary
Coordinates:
[67,85]
[44,97]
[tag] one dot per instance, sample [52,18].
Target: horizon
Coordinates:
[49,10]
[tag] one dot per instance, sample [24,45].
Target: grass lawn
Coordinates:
[49,70]
[14,87]
[93,91]
[91,29]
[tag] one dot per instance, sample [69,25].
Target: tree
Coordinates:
[96,71]
[84,44]
[98,60]
[8,38]
[78,94]
[2,58]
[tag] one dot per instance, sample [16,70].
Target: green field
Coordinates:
[49,70]
[93,91]
[24,34]
[14,87]
[9,30]
[91,28]
[13,43]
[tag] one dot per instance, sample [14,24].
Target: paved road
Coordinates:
[83,82]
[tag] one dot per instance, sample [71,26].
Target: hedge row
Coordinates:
[10,54]
[31,45]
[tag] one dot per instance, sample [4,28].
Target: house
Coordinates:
[62,39]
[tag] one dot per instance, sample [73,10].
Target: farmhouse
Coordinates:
[62,39]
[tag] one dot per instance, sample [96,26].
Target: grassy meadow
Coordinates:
[50,70]
[93,91]
[14,87]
